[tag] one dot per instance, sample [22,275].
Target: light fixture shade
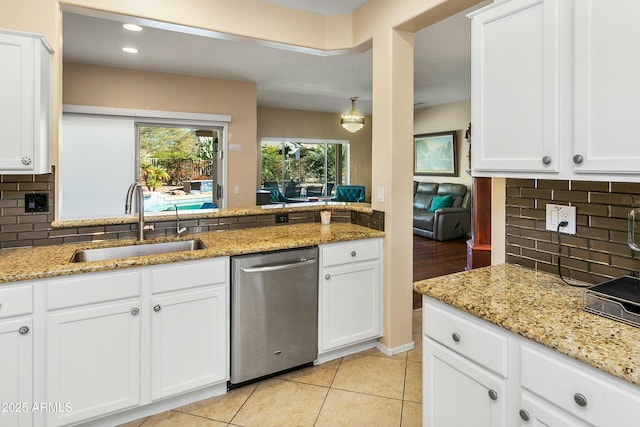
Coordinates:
[353,121]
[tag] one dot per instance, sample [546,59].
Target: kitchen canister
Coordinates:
[325,217]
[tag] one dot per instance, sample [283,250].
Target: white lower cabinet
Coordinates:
[459,392]
[119,340]
[350,293]
[533,385]
[189,330]
[16,356]
[93,360]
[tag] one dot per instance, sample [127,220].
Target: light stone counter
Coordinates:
[52,261]
[540,307]
[219,213]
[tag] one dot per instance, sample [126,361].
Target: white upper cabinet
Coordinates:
[607,87]
[554,85]
[25,103]
[516,87]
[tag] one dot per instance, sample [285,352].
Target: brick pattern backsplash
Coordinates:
[598,251]
[21,229]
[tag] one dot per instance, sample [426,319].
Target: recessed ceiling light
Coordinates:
[130,49]
[132,27]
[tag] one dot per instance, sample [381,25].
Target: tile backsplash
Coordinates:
[21,229]
[598,251]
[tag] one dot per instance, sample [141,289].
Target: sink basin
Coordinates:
[103,254]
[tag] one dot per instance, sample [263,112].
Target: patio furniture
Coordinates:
[349,193]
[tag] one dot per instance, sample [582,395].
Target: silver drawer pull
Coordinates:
[580,399]
[135,311]
[493,394]
[157,308]
[24,330]
[524,415]
[577,159]
[327,276]
[455,336]
[353,253]
[546,160]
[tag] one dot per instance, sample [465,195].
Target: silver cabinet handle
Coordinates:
[580,399]
[135,311]
[260,269]
[524,415]
[493,394]
[546,160]
[353,253]
[455,336]
[327,276]
[26,161]
[24,330]
[577,159]
[157,308]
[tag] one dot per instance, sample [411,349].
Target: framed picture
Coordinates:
[435,154]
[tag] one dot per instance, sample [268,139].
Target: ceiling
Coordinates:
[286,76]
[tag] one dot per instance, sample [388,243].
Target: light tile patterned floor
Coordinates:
[364,389]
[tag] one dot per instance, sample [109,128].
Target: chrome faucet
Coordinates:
[136,187]
[179,230]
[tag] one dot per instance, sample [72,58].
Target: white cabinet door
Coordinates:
[93,360]
[516,82]
[16,370]
[189,336]
[457,392]
[607,88]
[25,79]
[350,304]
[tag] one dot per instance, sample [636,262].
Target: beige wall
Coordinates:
[441,118]
[277,122]
[119,88]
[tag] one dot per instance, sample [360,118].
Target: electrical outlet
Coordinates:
[558,213]
[282,218]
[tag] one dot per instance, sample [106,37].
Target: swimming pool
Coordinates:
[156,202]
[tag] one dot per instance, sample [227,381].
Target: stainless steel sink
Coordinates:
[103,254]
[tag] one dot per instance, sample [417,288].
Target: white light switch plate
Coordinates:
[381,194]
[559,213]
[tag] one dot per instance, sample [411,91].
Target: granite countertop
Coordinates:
[540,307]
[219,213]
[51,261]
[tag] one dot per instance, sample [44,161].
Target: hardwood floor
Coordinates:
[432,258]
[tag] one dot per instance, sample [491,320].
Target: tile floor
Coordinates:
[364,389]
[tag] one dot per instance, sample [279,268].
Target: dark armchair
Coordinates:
[349,193]
[441,211]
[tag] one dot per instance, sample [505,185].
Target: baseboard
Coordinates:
[395,350]
[344,351]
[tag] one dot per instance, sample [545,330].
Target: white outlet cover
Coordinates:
[558,213]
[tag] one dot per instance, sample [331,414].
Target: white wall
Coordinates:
[441,118]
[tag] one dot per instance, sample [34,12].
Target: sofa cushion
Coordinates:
[458,191]
[424,192]
[423,219]
[441,202]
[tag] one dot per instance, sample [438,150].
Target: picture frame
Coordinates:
[435,154]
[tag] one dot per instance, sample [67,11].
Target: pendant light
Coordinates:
[352,121]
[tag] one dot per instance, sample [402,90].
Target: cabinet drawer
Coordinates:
[190,275]
[93,288]
[607,401]
[467,338]
[16,301]
[347,252]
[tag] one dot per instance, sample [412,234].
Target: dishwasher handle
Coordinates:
[278,267]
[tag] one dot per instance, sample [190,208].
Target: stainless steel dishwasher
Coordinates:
[274,312]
